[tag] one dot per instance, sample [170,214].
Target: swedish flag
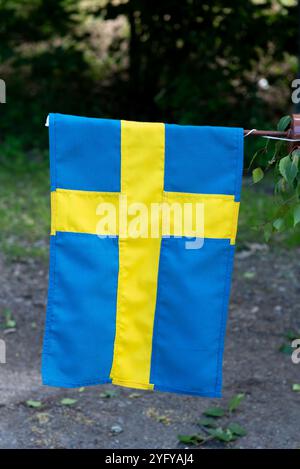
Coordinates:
[139,311]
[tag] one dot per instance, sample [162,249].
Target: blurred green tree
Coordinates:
[188,62]
[199,61]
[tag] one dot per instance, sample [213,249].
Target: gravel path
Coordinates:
[264,305]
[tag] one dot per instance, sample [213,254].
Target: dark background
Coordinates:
[187,61]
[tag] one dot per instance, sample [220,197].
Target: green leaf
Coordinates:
[257,175]
[280,186]
[249,275]
[32,403]
[186,439]
[279,147]
[296,152]
[292,335]
[295,161]
[9,323]
[235,402]
[296,214]
[215,412]
[279,224]
[221,435]
[288,169]
[207,423]
[237,429]
[108,394]
[134,395]
[296,387]
[191,439]
[283,123]
[268,229]
[285,348]
[295,158]
[68,401]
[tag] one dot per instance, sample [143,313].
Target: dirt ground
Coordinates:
[264,305]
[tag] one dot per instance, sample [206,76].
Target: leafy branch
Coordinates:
[285,167]
[211,428]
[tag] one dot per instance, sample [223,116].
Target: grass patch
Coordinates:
[257,207]
[24,213]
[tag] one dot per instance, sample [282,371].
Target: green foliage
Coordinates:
[235,402]
[215,412]
[221,434]
[237,429]
[68,401]
[284,163]
[39,47]
[296,214]
[284,123]
[296,387]
[207,422]
[278,224]
[34,404]
[191,439]
[9,322]
[231,433]
[213,430]
[209,51]
[292,335]
[286,349]
[225,435]
[249,275]
[24,213]
[258,210]
[288,168]
[257,175]
[108,394]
